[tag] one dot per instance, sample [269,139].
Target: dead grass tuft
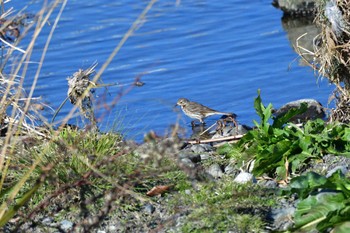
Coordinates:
[332,53]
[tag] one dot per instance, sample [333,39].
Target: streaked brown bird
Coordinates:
[198,111]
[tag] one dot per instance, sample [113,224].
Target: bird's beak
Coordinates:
[176,105]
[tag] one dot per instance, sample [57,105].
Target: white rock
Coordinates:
[245,177]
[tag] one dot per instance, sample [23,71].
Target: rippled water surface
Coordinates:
[218,53]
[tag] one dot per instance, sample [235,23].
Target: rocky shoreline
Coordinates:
[202,162]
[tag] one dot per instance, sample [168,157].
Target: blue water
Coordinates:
[218,53]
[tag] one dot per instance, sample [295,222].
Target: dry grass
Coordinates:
[19,114]
[332,53]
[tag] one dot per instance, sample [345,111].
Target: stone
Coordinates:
[47,221]
[112,228]
[271,184]
[195,158]
[200,148]
[66,225]
[230,170]
[215,171]
[245,177]
[188,192]
[204,156]
[149,208]
[314,110]
[187,162]
[232,131]
[342,168]
[297,7]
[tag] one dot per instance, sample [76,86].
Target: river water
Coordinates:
[218,53]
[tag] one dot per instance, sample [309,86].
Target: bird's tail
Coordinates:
[225,114]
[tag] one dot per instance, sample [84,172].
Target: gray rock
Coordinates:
[195,158]
[342,168]
[244,177]
[314,110]
[204,156]
[297,7]
[268,184]
[187,162]
[230,170]
[200,148]
[215,171]
[231,131]
[66,225]
[329,163]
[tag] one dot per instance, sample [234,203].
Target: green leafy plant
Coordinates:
[281,147]
[324,204]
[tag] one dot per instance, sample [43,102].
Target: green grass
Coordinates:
[225,206]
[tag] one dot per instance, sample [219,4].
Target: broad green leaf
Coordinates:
[303,185]
[346,135]
[305,143]
[271,157]
[267,113]
[282,119]
[340,183]
[336,218]
[314,209]
[258,106]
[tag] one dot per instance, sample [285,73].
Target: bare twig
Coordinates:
[236,137]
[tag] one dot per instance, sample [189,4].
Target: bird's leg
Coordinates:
[193,124]
[235,123]
[232,119]
[219,127]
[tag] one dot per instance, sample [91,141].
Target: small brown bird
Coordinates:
[198,111]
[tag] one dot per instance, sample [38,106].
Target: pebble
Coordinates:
[47,221]
[188,192]
[112,228]
[66,225]
[149,208]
